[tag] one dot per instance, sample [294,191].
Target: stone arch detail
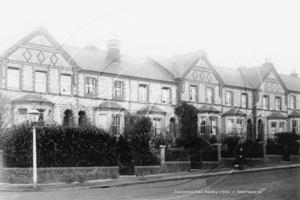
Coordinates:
[63,110]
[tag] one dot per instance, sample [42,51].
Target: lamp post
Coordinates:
[34,116]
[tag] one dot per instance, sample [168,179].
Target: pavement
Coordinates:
[123,181]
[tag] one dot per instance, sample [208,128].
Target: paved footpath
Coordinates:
[136,180]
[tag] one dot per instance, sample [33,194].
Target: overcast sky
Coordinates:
[232,33]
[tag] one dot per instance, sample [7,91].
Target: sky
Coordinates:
[232,33]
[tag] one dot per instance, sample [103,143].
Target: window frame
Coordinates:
[246,100]
[212,95]
[14,81]
[273,131]
[156,129]
[87,86]
[195,95]
[45,81]
[239,130]
[267,102]
[212,126]
[278,98]
[118,89]
[203,128]
[141,92]
[61,84]
[169,94]
[230,132]
[293,104]
[116,118]
[231,98]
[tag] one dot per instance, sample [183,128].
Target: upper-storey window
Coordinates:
[266,102]
[209,95]
[244,101]
[65,84]
[143,91]
[118,89]
[90,86]
[293,102]
[40,81]
[193,93]
[277,103]
[165,95]
[13,78]
[228,98]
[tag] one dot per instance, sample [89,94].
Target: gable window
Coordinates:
[13,78]
[277,103]
[165,95]
[209,95]
[65,81]
[118,89]
[213,125]
[40,81]
[239,126]
[116,123]
[293,102]
[294,126]
[266,102]
[203,125]
[228,98]
[244,101]
[90,86]
[230,126]
[273,129]
[143,91]
[193,93]
[157,123]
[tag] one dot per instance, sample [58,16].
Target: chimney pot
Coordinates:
[113,50]
[294,73]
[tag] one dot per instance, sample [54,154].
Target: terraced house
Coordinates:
[73,86]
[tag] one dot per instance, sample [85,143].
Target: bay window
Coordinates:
[116,123]
[203,125]
[157,123]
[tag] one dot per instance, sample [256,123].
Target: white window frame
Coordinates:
[143,92]
[157,125]
[118,89]
[203,125]
[265,102]
[193,93]
[165,95]
[13,78]
[244,100]
[281,127]
[65,85]
[277,103]
[228,98]
[90,86]
[240,126]
[116,122]
[213,127]
[41,82]
[293,102]
[296,127]
[209,95]
[229,130]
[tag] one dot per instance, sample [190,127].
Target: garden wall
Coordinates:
[58,175]
[295,159]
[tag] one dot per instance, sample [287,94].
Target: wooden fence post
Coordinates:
[264,144]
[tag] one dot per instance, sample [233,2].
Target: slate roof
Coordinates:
[292,83]
[32,98]
[208,109]
[110,105]
[235,112]
[255,75]
[129,65]
[294,114]
[151,109]
[276,115]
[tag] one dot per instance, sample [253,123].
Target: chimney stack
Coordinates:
[294,73]
[113,50]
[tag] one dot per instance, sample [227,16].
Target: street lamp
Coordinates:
[34,116]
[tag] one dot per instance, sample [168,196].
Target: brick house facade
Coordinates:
[72,85]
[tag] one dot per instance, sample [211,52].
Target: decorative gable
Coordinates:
[203,75]
[272,84]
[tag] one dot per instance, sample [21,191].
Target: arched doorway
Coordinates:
[82,120]
[68,118]
[260,129]
[250,132]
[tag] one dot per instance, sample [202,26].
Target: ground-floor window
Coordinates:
[157,123]
[213,125]
[294,126]
[230,126]
[68,118]
[103,121]
[203,125]
[273,129]
[116,123]
[239,126]
[281,127]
